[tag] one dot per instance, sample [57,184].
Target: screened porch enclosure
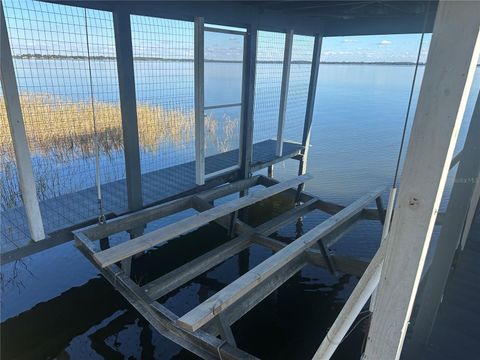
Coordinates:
[122,117]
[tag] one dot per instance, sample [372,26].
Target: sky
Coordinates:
[60,30]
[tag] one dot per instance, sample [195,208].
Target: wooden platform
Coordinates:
[197,330]
[456,333]
[74,210]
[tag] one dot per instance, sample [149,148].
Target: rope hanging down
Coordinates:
[101,216]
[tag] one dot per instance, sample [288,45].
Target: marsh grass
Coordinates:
[62,131]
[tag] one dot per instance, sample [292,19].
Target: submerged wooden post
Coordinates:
[199,101]
[248,98]
[452,229]
[128,107]
[19,137]
[312,91]
[287,60]
[438,117]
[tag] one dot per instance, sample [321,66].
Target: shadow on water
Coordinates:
[93,321]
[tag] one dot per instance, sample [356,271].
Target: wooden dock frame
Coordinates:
[197,330]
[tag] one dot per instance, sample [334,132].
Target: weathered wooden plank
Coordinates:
[130,221]
[228,189]
[168,282]
[197,317]
[251,299]
[346,264]
[141,243]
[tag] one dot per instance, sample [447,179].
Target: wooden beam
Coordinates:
[451,233]
[440,109]
[160,236]
[345,264]
[228,189]
[251,299]
[169,282]
[199,62]
[136,219]
[128,107]
[287,60]
[23,161]
[248,97]
[199,316]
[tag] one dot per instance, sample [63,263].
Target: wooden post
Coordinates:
[452,229]
[446,84]
[19,137]
[312,90]
[248,98]
[287,60]
[199,101]
[128,107]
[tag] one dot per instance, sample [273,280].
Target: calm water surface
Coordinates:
[56,305]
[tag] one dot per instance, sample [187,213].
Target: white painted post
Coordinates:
[199,101]
[453,227]
[287,60]
[19,137]
[446,84]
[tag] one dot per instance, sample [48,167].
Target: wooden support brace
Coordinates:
[160,236]
[206,311]
[225,330]
[169,282]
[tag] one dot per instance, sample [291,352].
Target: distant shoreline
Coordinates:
[144,58]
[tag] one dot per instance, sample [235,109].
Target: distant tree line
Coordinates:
[151,58]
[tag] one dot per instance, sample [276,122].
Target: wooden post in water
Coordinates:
[19,138]
[438,117]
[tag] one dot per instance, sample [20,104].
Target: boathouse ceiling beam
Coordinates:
[439,113]
[331,18]
[23,160]
[128,108]
[453,228]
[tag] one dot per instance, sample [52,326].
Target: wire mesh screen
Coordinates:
[164,75]
[270,48]
[223,86]
[302,51]
[51,60]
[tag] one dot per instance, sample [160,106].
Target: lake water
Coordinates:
[56,305]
